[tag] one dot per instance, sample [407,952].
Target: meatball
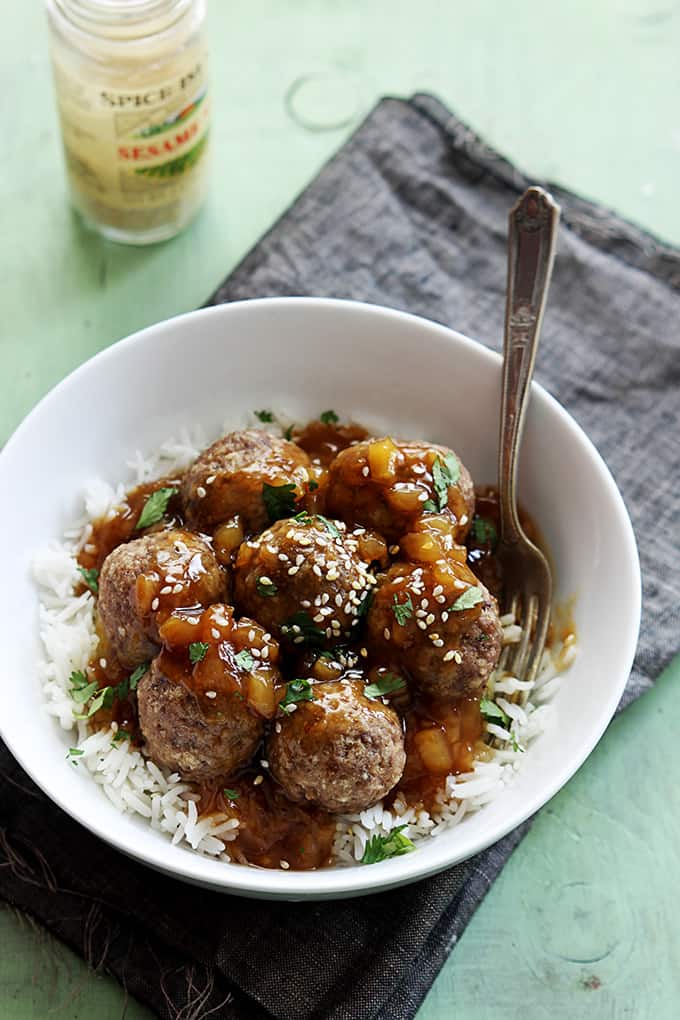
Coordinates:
[189,736]
[228,478]
[307,579]
[437,621]
[142,581]
[203,704]
[387,484]
[341,751]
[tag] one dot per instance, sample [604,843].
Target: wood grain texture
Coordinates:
[583,921]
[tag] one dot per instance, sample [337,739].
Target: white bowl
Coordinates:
[301,356]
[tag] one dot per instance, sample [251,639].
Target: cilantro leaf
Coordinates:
[231,794]
[264,416]
[330,527]
[137,675]
[445,472]
[90,576]
[313,486]
[403,611]
[279,500]
[430,505]
[470,597]
[366,603]
[73,753]
[484,531]
[516,746]
[328,417]
[380,848]
[296,690]
[265,587]
[387,684]
[288,434]
[120,736]
[493,713]
[154,508]
[301,625]
[245,659]
[197,651]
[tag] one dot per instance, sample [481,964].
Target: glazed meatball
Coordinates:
[307,579]
[228,478]
[144,580]
[437,621]
[203,704]
[342,751]
[386,484]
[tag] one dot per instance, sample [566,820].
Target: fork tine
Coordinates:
[508,649]
[519,660]
[538,646]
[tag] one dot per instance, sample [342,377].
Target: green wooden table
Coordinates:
[584,919]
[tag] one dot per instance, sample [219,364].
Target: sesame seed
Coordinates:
[306,604]
[298,640]
[394,549]
[215,633]
[177,589]
[102,663]
[283,557]
[211,694]
[445,617]
[325,599]
[285,865]
[437,590]
[434,636]
[299,560]
[424,603]
[277,727]
[365,471]
[464,519]
[458,657]
[420,614]
[319,618]
[348,608]
[422,624]
[363,652]
[251,635]
[422,497]
[264,763]
[317,570]
[292,571]
[386,634]
[429,619]
[155,604]
[200,492]
[210,479]
[265,652]
[438,643]
[256,652]
[441,599]
[448,656]
[257,780]
[166,589]
[333,574]
[338,600]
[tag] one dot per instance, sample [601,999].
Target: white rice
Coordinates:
[136,785]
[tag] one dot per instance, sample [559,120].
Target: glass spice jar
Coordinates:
[131,86]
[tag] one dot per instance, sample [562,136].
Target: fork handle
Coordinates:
[531,248]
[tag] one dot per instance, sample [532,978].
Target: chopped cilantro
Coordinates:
[279,500]
[328,525]
[137,675]
[265,587]
[380,848]
[366,603]
[313,486]
[387,684]
[73,753]
[154,508]
[81,690]
[296,690]
[470,597]
[244,659]
[301,625]
[445,472]
[264,416]
[516,746]
[120,736]
[430,505]
[403,611]
[288,433]
[197,651]
[231,794]
[328,418]
[90,576]
[493,713]
[484,531]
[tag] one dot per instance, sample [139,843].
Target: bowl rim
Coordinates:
[327,883]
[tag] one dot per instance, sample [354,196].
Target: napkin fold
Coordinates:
[412,213]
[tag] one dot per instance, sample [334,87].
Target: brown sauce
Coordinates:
[441,739]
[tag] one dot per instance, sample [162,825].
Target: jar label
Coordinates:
[135,155]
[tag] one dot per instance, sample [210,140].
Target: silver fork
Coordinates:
[528,584]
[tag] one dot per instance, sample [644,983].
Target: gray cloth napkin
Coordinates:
[411,213]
